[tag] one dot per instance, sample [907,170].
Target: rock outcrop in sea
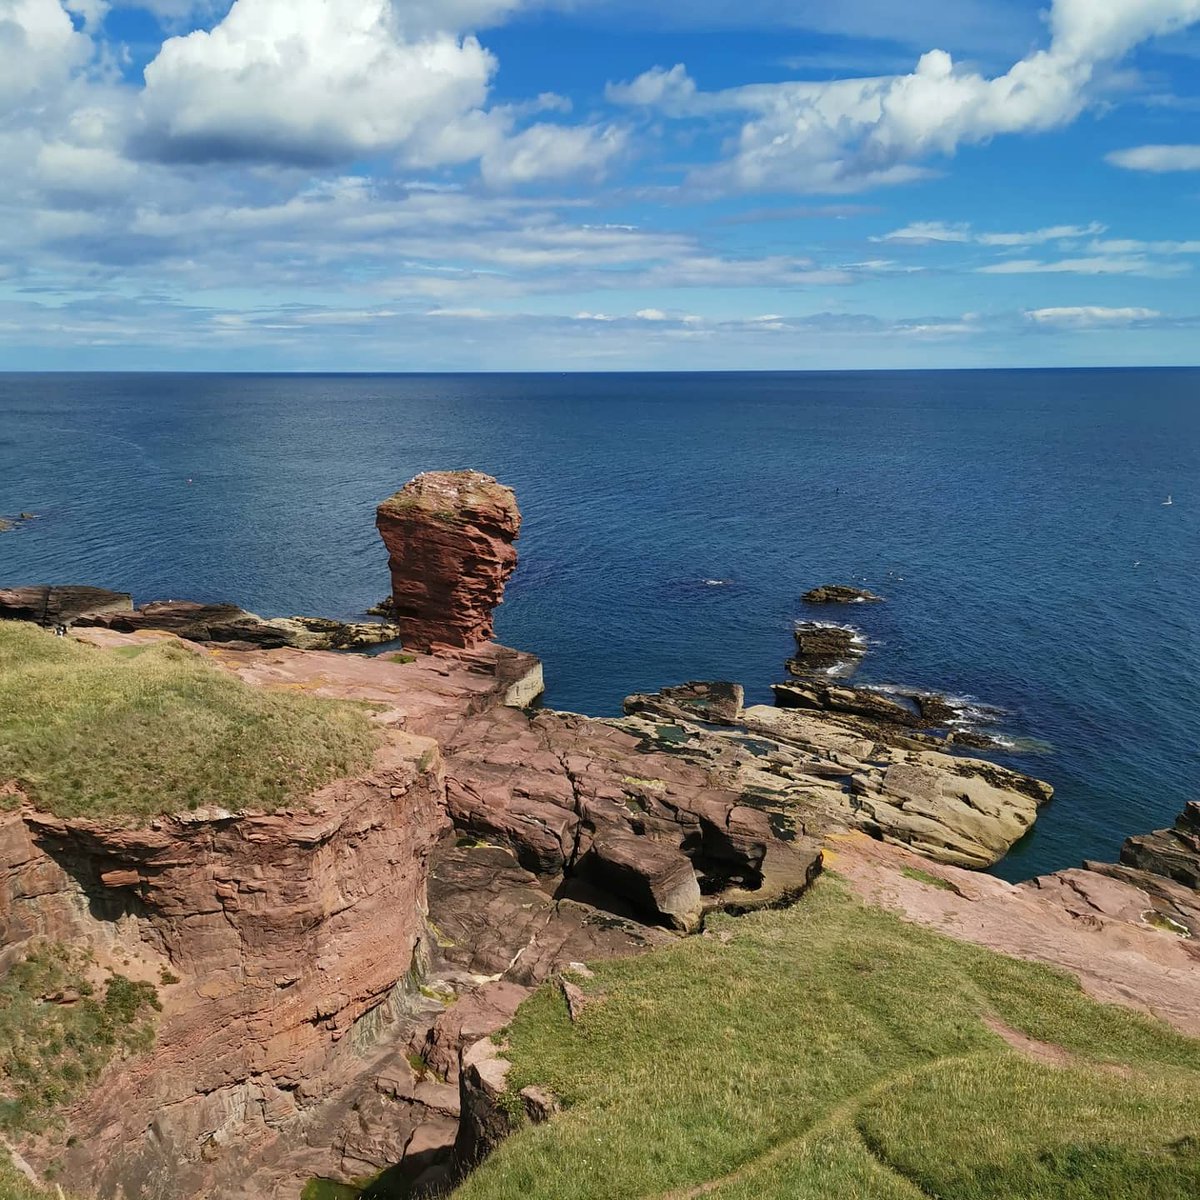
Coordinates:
[821,646]
[837,593]
[449,536]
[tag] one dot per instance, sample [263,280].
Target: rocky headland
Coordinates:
[86,607]
[337,969]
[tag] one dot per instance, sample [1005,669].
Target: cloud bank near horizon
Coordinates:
[229,160]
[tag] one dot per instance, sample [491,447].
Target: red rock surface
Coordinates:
[449,536]
[284,931]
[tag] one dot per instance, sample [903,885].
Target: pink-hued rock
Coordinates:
[283,931]
[449,536]
[1099,928]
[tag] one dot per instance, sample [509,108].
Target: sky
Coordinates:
[579,185]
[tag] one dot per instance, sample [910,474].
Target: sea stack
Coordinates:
[449,536]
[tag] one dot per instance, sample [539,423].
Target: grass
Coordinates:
[928,879]
[146,730]
[14,1185]
[58,1033]
[834,1052]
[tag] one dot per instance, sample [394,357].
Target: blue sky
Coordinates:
[598,184]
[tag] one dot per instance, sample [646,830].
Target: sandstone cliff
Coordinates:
[449,536]
[285,934]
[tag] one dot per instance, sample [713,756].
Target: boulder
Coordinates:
[653,874]
[820,646]
[836,593]
[449,536]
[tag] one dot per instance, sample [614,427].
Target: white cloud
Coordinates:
[1090,317]
[854,133]
[1097,264]
[925,233]
[321,82]
[309,81]
[39,49]
[546,151]
[672,91]
[1157,159]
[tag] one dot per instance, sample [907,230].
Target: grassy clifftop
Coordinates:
[145,730]
[834,1052]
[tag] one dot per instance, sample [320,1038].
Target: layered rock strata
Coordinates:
[819,771]
[50,606]
[85,608]
[449,536]
[820,647]
[287,936]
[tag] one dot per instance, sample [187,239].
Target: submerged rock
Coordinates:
[449,536]
[836,593]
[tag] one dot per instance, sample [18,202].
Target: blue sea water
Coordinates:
[1014,521]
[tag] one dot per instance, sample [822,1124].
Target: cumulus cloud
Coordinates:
[1090,317]
[854,133]
[39,49]
[673,91]
[308,81]
[1157,159]
[323,82]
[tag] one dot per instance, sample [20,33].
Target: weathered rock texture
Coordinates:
[49,606]
[820,647]
[288,933]
[449,536]
[817,770]
[1170,853]
[84,608]
[229,624]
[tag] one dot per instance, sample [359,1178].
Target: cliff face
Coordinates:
[449,536]
[283,931]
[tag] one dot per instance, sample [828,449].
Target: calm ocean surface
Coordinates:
[1014,520]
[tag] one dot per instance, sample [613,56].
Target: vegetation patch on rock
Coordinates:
[89,732]
[59,1030]
[833,1051]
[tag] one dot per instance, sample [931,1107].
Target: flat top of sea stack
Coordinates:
[470,494]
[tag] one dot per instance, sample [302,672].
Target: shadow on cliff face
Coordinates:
[98,877]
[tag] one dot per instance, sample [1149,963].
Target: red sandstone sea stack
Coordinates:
[449,536]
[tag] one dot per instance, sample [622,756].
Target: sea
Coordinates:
[1015,521]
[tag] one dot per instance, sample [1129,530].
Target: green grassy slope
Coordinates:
[138,731]
[834,1052]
